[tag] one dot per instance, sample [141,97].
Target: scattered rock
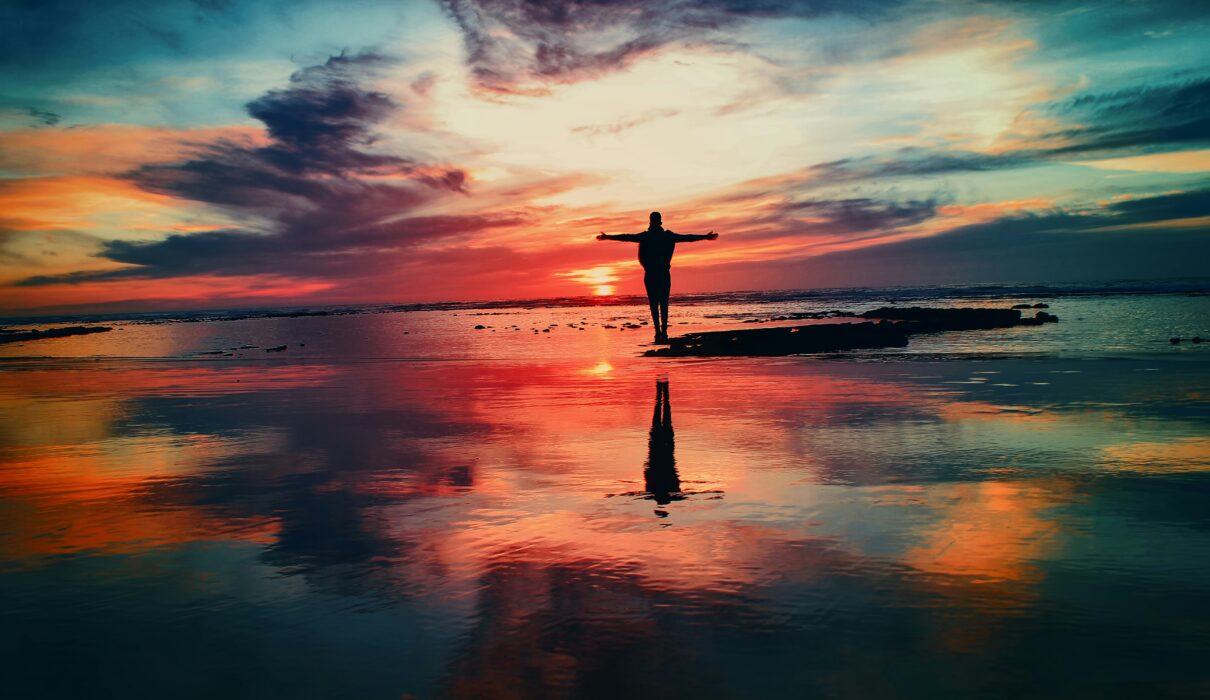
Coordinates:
[1197,339]
[1174,341]
[276,348]
[480,327]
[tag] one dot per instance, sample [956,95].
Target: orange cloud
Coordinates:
[107,149]
[163,293]
[73,202]
[990,211]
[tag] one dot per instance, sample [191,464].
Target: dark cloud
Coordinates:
[8,238]
[1139,118]
[44,117]
[522,46]
[318,126]
[915,162]
[1129,239]
[316,198]
[854,215]
[1180,205]
[362,252]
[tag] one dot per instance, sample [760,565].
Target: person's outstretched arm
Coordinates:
[688,237]
[632,237]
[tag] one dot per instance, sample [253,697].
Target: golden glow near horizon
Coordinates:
[600,369]
[599,279]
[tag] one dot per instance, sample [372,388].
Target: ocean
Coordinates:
[1097,321]
[399,504]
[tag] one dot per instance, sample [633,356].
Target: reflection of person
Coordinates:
[663,484]
[656,246]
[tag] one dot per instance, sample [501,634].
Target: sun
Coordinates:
[599,279]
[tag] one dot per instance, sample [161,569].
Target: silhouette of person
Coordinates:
[656,246]
[662,483]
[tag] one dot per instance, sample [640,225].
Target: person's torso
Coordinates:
[656,249]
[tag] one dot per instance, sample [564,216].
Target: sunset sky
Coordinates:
[206,153]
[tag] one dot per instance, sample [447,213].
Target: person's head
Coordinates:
[656,220]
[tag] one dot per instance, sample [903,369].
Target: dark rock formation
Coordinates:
[276,348]
[894,326]
[938,320]
[787,341]
[7,336]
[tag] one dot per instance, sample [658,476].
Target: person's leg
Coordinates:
[653,300]
[665,293]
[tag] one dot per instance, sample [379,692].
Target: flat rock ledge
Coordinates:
[7,336]
[888,327]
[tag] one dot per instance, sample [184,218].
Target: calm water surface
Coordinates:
[587,523]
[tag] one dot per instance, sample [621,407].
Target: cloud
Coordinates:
[1143,117]
[915,162]
[109,149]
[317,126]
[44,117]
[617,127]
[1076,29]
[1146,118]
[1143,238]
[791,205]
[524,46]
[370,251]
[315,197]
[860,214]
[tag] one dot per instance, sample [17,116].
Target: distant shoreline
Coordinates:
[854,295]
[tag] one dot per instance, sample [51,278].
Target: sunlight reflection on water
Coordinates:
[597,527]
